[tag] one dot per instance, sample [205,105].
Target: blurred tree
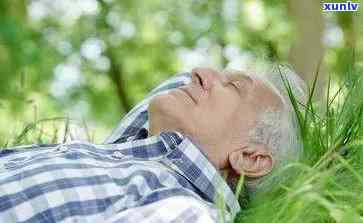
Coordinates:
[348,22]
[307,52]
[19,53]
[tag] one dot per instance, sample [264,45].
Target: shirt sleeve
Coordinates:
[137,118]
[175,209]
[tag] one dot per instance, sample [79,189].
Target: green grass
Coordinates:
[327,183]
[49,131]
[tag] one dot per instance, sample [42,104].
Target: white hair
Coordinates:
[278,130]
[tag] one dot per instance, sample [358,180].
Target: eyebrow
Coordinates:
[240,76]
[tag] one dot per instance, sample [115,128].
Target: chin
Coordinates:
[165,113]
[161,104]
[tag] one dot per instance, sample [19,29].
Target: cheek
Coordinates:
[223,106]
[216,114]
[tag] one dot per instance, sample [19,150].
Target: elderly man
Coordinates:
[163,162]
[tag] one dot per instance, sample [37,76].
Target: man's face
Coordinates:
[217,110]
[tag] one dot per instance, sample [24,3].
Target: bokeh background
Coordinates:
[72,68]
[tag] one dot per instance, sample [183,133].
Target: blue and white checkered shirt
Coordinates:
[129,178]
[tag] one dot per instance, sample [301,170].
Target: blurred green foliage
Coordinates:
[93,60]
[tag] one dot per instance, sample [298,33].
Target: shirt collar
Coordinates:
[187,159]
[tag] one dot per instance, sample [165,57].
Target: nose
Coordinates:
[206,77]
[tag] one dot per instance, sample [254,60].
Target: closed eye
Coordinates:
[236,85]
[241,83]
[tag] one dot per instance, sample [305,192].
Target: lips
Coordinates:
[186,91]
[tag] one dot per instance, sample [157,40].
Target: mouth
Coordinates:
[188,94]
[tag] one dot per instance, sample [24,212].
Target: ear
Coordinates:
[254,161]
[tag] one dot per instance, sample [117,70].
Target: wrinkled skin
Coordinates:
[217,111]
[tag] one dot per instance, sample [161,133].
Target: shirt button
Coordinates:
[118,155]
[62,148]
[130,138]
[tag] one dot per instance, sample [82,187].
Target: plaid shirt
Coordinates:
[129,178]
